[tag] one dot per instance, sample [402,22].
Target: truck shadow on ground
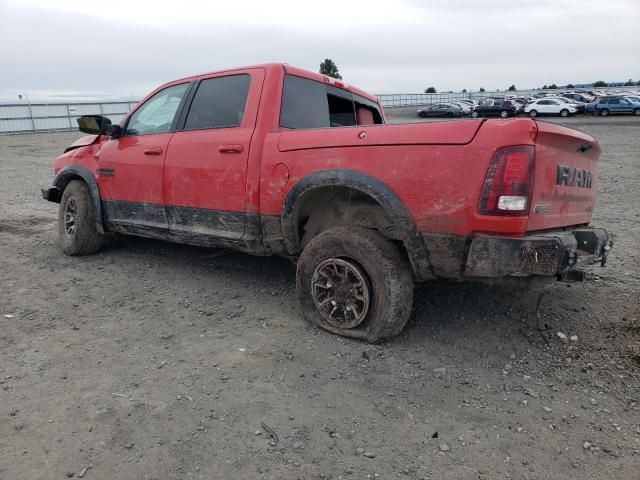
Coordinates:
[444,311]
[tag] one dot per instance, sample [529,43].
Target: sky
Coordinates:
[75,49]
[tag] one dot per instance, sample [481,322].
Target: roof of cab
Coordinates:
[293,71]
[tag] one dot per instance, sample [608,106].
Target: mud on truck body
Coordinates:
[275,160]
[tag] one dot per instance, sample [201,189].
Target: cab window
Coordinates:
[218,103]
[157,113]
[310,104]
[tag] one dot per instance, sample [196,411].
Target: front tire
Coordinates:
[475,114]
[77,221]
[533,113]
[564,112]
[353,282]
[636,112]
[504,114]
[604,112]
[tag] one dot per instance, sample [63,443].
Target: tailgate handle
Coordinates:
[230,148]
[584,147]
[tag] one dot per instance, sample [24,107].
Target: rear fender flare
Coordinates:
[70,172]
[368,185]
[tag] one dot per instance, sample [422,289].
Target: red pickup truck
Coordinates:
[275,160]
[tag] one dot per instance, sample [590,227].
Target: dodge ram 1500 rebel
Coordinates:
[275,160]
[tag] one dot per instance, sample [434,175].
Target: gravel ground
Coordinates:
[160,361]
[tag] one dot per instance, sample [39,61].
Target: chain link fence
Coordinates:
[52,117]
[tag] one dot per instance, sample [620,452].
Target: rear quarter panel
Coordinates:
[438,183]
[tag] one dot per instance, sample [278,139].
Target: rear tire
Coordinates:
[604,112]
[636,112]
[371,292]
[504,114]
[533,113]
[77,221]
[475,114]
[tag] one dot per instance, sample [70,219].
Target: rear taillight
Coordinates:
[507,188]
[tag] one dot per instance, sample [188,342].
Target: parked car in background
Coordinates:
[614,105]
[579,97]
[579,106]
[591,107]
[440,110]
[633,98]
[627,93]
[549,106]
[466,109]
[495,108]
[520,102]
[471,103]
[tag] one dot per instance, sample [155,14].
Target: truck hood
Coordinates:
[458,132]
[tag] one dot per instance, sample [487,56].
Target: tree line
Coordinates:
[329,68]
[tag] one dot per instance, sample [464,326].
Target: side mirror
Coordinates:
[93,124]
[99,125]
[114,131]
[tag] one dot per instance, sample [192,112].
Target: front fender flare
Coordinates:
[70,172]
[368,185]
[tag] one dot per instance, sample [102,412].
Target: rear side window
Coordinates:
[310,104]
[341,110]
[218,103]
[304,104]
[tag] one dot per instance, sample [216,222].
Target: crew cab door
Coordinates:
[130,168]
[205,168]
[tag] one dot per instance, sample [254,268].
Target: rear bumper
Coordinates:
[552,254]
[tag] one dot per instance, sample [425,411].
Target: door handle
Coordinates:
[152,151]
[231,148]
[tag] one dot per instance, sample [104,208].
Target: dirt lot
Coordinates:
[160,361]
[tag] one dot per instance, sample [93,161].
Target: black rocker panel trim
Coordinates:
[148,214]
[198,226]
[209,222]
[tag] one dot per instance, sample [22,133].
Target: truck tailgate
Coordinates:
[565,178]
